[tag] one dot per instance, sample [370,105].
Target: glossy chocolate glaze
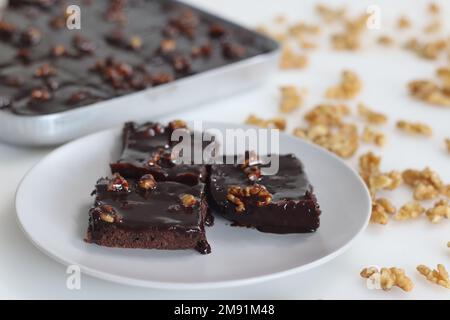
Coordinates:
[160,208]
[118,50]
[147,149]
[293,207]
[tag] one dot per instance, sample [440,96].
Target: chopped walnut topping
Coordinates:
[58,50]
[371,136]
[40,95]
[147,182]
[415,128]
[188,200]
[389,277]
[411,210]
[370,115]
[426,183]
[168,45]
[292,60]
[45,70]
[253,173]
[440,211]
[106,213]
[403,23]
[291,99]
[177,124]
[327,114]
[438,276]
[276,123]
[237,194]
[118,183]
[348,88]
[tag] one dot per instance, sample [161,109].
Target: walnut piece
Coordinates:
[415,128]
[273,123]
[438,276]
[381,209]
[291,99]
[440,210]
[188,200]
[430,92]
[147,182]
[403,23]
[411,210]
[389,277]
[118,184]
[237,194]
[349,86]
[371,116]
[426,183]
[291,60]
[327,114]
[369,135]
[106,213]
[447,144]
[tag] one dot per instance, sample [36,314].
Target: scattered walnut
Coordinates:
[385,40]
[433,27]
[147,182]
[329,14]
[426,183]
[433,8]
[440,211]
[327,114]
[447,143]
[188,200]
[411,210]
[348,88]
[438,276]
[291,99]
[292,60]
[369,164]
[415,128]
[371,136]
[427,50]
[236,195]
[346,41]
[343,140]
[379,214]
[369,169]
[429,92]
[275,123]
[301,28]
[389,277]
[371,116]
[118,183]
[403,22]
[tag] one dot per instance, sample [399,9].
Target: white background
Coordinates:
[27,273]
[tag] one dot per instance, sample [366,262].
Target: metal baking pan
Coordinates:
[182,94]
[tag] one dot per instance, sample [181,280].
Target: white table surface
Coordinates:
[27,273]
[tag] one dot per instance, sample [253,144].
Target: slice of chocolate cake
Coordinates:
[143,213]
[280,203]
[147,149]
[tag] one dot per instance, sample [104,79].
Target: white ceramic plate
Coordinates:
[53,199]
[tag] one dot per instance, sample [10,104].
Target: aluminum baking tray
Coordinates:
[182,94]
